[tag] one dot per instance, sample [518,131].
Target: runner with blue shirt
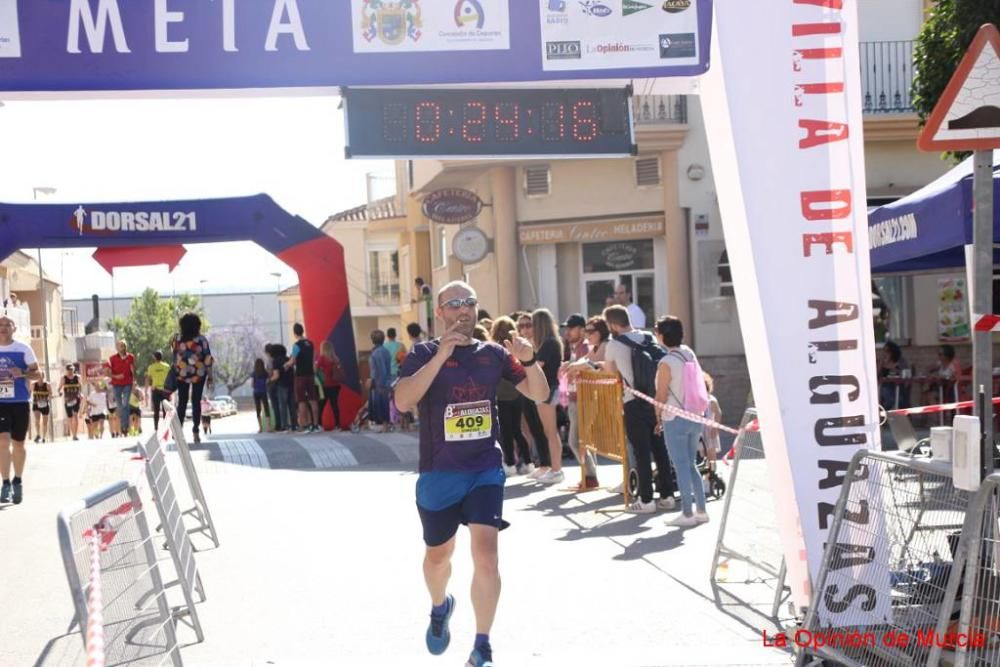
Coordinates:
[453,381]
[18,367]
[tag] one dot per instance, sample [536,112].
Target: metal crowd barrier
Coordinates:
[897,531]
[976,618]
[137,622]
[748,550]
[199,512]
[602,424]
[172,521]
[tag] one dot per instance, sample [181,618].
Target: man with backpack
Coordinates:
[306,396]
[634,355]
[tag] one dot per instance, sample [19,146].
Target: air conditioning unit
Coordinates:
[941,439]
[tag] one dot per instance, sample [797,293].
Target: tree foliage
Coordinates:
[949,30]
[151,323]
[234,350]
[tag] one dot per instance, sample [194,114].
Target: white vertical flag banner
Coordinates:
[10,30]
[783,108]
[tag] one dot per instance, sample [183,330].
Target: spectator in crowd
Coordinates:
[259,379]
[509,410]
[284,381]
[640,417]
[135,412]
[945,373]
[122,379]
[380,369]
[623,297]
[193,368]
[480,333]
[597,336]
[424,296]
[529,411]
[710,434]
[397,352]
[548,350]
[892,364]
[578,349]
[415,333]
[681,435]
[332,373]
[302,364]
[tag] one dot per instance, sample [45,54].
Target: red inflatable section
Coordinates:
[326,309]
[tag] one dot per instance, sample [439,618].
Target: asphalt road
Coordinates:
[320,558]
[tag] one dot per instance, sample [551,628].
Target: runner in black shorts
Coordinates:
[18,367]
[40,396]
[70,388]
[454,380]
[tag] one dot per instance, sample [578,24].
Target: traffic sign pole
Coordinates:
[982,341]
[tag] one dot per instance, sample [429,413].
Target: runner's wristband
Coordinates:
[534,358]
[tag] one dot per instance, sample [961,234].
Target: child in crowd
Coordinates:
[206,416]
[710,434]
[260,397]
[135,411]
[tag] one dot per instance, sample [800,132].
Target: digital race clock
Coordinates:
[411,123]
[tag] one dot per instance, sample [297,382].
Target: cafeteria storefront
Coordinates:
[573,266]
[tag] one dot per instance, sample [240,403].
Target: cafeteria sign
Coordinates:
[452,206]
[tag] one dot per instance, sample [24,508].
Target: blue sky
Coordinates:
[156,149]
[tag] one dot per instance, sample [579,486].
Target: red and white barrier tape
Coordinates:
[946,407]
[662,407]
[95,603]
[984,323]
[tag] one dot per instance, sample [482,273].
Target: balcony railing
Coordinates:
[887,76]
[656,109]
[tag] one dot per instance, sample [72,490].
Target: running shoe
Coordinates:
[701,517]
[509,471]
[525,468]
[5,492]
[639,507]
[683,521]
[482,656]
[18,494]
[552,477]
[438,634]
[537,472]
[666,504]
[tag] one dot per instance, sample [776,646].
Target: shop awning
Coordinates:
[928,230]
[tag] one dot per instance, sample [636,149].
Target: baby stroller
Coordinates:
[714,486]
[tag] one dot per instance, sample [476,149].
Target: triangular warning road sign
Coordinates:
[967,117]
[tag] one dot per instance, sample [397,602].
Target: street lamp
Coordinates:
[277,296]
[45,190]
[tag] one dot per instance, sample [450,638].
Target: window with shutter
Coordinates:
[537,181]
[647,171]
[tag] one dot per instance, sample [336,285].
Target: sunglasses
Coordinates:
[470,301]
[525,326]
[589,331]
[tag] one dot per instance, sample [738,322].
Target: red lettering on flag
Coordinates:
[827,240]
[806,29]
[832,4]
[837,204]
[821,132]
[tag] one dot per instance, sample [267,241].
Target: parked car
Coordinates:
[227,405]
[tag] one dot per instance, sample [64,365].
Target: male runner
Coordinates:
[156,379]
[70,389]
[18,367]
[454,379]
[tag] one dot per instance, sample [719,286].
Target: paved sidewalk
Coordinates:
[320,555]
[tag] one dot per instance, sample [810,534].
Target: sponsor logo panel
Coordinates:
[678,45]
